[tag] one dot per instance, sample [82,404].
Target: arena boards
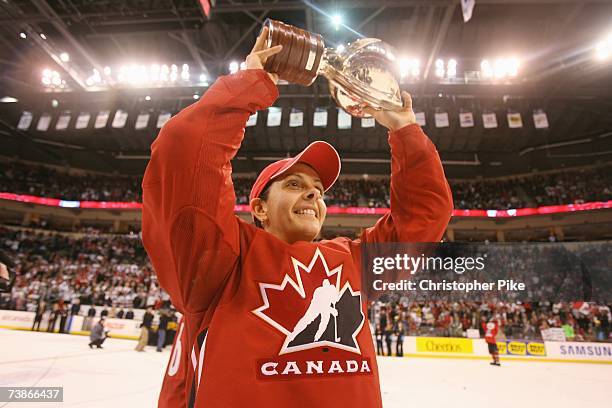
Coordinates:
[414,347]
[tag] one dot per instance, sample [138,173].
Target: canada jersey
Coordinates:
[294,324]
[173,390]
[491,329]
[267,323]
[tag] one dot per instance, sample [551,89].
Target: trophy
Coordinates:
[361,74]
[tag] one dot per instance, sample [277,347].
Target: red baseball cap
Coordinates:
[319,155]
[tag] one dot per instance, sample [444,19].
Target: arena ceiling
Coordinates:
[554,40]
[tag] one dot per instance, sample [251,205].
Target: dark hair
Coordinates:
[264,196]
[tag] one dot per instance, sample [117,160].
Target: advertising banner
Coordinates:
[444,345]
[521,348]
[12,319]
[579,351]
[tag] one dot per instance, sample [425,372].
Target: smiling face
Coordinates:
[294,209]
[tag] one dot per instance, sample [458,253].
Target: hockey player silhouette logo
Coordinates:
[322,297]
[313,308]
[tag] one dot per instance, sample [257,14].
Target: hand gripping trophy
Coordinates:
[364,74]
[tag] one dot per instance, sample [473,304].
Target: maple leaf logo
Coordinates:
[312,309]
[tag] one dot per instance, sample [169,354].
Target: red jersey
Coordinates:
[173,388]
[267,323]
[491,328]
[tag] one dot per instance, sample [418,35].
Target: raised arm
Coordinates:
[188,224]
[421,200]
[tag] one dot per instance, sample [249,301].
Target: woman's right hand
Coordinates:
[260,53]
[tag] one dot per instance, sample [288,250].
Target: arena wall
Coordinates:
[414,347]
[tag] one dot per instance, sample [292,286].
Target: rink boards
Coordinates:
[428,347]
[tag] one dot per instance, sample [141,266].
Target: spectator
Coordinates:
[53,318]
[379,341]
[164,319]
[144,329]
[388,338]
[40,311]
[97,335]
[75,308]
[399,334]
[63,314]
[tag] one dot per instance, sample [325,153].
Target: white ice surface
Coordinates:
[117,377]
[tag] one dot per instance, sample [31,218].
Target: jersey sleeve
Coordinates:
[421,199]
[189,228]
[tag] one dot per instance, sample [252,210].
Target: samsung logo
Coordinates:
[603,350]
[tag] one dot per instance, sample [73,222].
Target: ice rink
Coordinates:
[117,376]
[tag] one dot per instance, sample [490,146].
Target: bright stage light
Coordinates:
[46,80]
[340,48]
[147,98]
[513,65]
[96,76]
[500,68]
[23,35]
[64,56]
[336,21]
[409,66]
[233,67]
[603,49]
[451,68]
[196,96]
[439,68]
[485,69]
[404,66]
[44,37]
[504,67]
[143,75]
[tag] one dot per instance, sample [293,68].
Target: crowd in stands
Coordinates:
[570,187]
[96,269]
[69,271]
[46,182]
[567,187]
[580,321]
